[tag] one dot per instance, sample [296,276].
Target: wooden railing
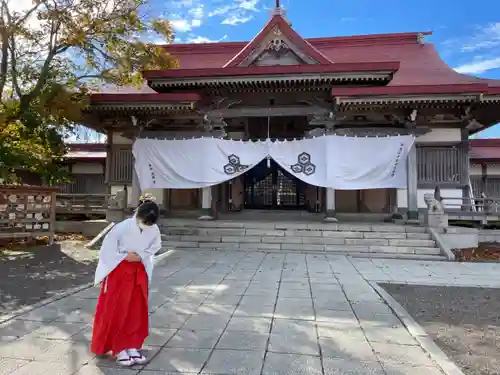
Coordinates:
[85,184]
[27,212]
[82,203]
[474,209]
[490,186]
[476,204]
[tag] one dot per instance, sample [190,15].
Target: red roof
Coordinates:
[85,151]
[284,27]
[146,96]
[420,64]
[486,150]
[416,65]
[471,88]
[391,66]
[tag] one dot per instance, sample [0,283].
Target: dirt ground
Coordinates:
[463,321]
[485,251]
[28,275]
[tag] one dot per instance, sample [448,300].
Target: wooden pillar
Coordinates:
[484,178]
[412,184]
[330,205]
[136,189]
[466,189]
[109,159]
[206,204]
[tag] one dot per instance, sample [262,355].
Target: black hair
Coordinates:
[148,212]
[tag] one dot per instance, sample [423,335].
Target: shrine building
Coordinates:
[282,86]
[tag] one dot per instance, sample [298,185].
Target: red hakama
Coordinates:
[121,318]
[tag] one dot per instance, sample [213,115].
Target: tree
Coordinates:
[52,52]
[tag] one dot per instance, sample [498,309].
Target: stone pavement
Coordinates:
[246,313]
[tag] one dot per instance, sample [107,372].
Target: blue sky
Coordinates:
[467,36]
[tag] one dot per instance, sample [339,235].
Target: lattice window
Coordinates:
[122,164]
[442,165]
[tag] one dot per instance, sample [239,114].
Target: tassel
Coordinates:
[268,162]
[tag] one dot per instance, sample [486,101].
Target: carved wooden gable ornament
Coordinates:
[277,44]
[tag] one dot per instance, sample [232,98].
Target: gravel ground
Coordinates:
[28,276]
[464,322]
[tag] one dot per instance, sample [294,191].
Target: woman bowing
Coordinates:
[124,271]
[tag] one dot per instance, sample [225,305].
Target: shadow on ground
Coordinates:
[30,275]
[463,321]
[215,313]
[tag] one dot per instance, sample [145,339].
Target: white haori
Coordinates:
[346,163]
[126,237]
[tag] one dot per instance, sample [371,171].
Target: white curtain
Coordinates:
[193,163]
[368,163]
[346,163]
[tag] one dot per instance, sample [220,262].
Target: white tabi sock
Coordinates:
[123,355]
[133,353]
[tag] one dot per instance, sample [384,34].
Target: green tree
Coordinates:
[52,52]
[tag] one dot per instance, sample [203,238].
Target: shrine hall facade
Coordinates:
[282,86]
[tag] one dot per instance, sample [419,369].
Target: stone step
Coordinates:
[280,226]
[416,254]
[305,248]
[343,238]
[440,258]
[366,240]
[293,233]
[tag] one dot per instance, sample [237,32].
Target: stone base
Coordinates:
[412,215]
[115,215]
[330,217]
[412,222]
[436,220]
[206,217]
[206,214]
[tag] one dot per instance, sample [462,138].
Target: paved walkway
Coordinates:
[247,313]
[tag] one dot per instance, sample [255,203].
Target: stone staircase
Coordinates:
[358,240]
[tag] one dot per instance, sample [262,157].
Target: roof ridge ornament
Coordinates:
[279,11]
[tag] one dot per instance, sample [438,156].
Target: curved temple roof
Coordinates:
[415,66]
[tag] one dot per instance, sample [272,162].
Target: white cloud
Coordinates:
[240,11]
[197,12]
[235,20]
[479,67]
[249,5]
[186,15]
[181,25]
[485,38]
[481,49]
[196,23]
[203,39]
[221,10]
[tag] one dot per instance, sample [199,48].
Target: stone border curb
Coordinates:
[159,259]
[434,351]
[445,250]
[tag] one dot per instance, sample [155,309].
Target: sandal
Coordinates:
[139,360]
[125,362]
[137,356]
[124,359]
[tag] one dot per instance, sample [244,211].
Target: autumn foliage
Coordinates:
[52,52]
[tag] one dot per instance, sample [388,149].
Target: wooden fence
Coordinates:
[476,209]
[85,184]
[27,212]
[84,204]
